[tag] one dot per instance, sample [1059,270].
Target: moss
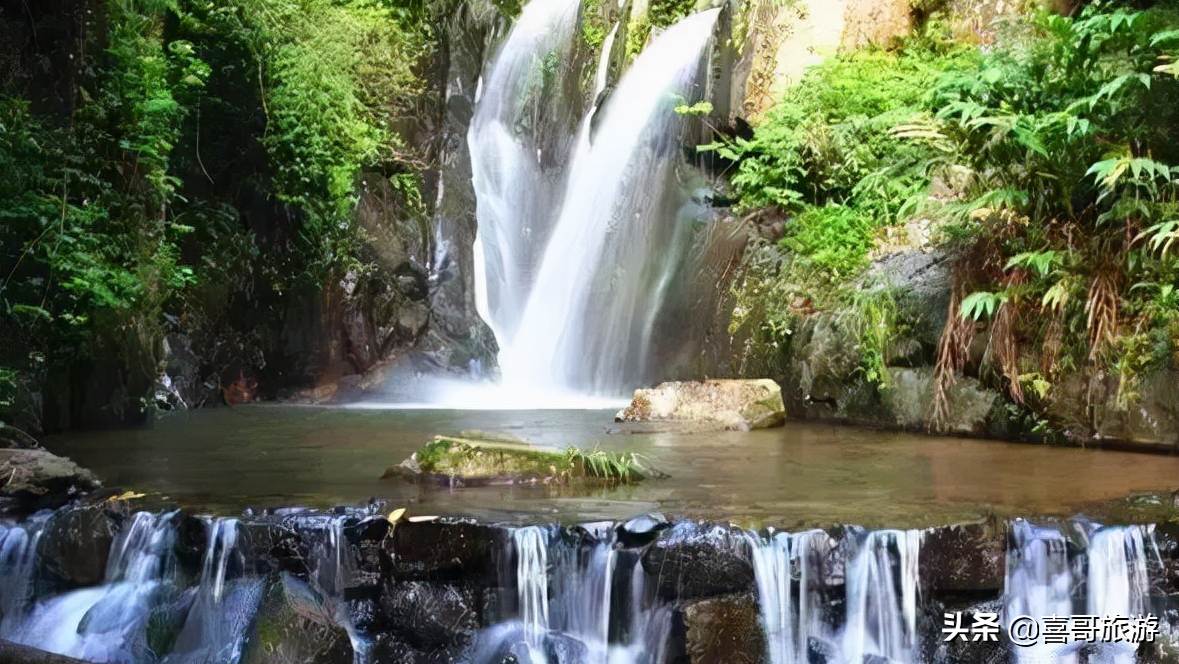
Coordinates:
[491,458]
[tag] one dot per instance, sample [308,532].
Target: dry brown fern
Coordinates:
[1101,305]
[1002,345]
[952,349]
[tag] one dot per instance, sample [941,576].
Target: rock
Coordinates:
[316,395]
[445,550]
[728,404]
[961,651]
[35,479]
[15,653]
[498,460]
[724,630]
[74,546]
[295,624]
[412,320]
[641,530]
[1151,419]
[429,615]
[964,560]
[694,561]
[910,396]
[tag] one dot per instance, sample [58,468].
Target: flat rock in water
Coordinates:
[491,459]
[33,479]
[714,404]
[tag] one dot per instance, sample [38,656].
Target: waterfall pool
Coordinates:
[222,461]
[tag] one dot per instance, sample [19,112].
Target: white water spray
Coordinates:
[580,317]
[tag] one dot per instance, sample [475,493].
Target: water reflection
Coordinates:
[227,459]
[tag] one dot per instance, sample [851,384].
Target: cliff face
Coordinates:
[298,182]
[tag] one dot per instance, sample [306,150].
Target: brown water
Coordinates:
[225,460]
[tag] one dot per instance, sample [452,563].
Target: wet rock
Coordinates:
[192,537]
[15,653]
[445,550]
[964,560]
[1087,407]
[642,530]
[727,404]
[316,395]
[724,630]
[34,479]
[74,547]
[561,649]
[295,624]
[390,648]
[430,615]
[693,561]
[960,651]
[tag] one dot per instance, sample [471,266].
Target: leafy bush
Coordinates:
[125,215]
[830,139]
[1063,143]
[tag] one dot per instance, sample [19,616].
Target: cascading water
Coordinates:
[565,594]
[217,622]
[1118,583]
[583,584]
[519,143]
[789,619]
[18,557]
[879,624]
[1038,584]
[580,317]
[532,581]
[108,623]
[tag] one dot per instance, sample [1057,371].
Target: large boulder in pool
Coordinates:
[712,404]
[499,460]
[33,479]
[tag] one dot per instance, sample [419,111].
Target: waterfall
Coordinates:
[565,592]
[532,581]
[518,147]
[1118,582]
[789,620]
[583,580]
[18,558]
[881,596]
[108,623]
[878,621]
[1038,583]
[216,625]
[580,317]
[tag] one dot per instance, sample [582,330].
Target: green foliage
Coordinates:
[832,241]
[1063,143]
[660,14]
[594,26]
[830,139]
[878,323]
[89,252]
[123,216]
[830,157]
[619,467]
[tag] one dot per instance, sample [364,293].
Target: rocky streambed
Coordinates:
[128,581]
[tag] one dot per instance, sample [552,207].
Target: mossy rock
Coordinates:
[495,459]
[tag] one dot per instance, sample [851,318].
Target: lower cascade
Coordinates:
[350,587]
